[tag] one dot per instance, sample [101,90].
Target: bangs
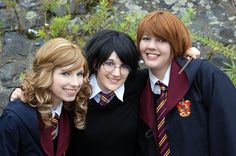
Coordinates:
[155,26]
[71,56]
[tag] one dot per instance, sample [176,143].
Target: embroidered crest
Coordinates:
[184,108]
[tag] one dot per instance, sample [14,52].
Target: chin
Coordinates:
[151,65]
[69,99]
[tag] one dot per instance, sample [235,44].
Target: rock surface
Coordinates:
[215,19]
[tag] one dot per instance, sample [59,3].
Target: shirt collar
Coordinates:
[154,79]
[96,89]
[57,109]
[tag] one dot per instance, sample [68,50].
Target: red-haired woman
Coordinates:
[196,115]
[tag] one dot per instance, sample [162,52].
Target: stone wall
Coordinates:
[215,19]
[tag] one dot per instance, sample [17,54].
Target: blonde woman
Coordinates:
[55,86]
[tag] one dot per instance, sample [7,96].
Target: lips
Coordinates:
[71,92]
[114,81]
[152,56]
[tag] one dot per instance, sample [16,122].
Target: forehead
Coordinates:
[115,58]
[71,67]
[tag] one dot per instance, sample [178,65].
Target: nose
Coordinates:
[75,81]
[152,44]
[116,71]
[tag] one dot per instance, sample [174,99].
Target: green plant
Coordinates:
[21,76]
[98,19]
[230,70]
[48,6]
[1,24]
[57,28]
[126,22]
[105,17]
[188,15]
[227,50]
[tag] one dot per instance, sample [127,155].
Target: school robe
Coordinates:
[21,136]
[209,129]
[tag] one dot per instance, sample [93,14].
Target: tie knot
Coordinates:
[163,87]
[105,97]
[55,119]
[54,130]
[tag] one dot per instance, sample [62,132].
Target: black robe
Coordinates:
[210,127]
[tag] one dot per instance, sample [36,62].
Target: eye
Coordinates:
[125,66]
[65,73]
[145,38]
[109,63]
[80,74]
[161,40]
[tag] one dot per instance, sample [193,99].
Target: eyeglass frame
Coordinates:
[107,64]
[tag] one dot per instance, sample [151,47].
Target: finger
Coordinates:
[195,53]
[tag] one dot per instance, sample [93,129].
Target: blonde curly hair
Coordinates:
[56,53]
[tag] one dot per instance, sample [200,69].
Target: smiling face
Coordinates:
[156,54]
[110,81]
[66,83]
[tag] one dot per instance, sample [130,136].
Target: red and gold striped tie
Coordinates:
[164,148]
[54,131]
[105,98]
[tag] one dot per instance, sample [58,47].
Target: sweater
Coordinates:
[111,130]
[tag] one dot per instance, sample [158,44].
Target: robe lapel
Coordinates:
[146,112]
[178,86]
[64,134]
[63,140]
[46,139]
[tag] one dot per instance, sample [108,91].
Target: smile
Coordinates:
[70,91]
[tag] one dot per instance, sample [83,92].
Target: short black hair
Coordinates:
[104,42]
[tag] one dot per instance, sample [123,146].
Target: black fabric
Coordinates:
[111,130]
[210,128]
[21,122]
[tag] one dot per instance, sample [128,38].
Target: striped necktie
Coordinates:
[54,131]
[105,98]
[163,144]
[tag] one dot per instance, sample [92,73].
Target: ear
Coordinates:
[95,65]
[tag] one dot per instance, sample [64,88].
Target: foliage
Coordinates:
[48,6]
[188,16]
[1,24]
[230,70]
[10,3]
[57,28]
[103,16]
[228,51]
[98,19]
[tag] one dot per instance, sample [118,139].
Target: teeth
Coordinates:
[70,91]
[152,56]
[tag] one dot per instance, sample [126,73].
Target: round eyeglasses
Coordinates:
[110,66]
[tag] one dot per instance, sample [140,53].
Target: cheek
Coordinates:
[141,46]
[81,81]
